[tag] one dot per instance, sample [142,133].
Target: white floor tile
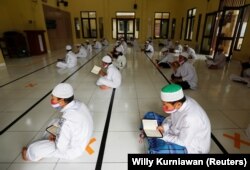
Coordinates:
[4,166]
[32,166]
[124,121]
[114,165]
[75,166]
[123,105]
[119,144]
[12,143]
[233,145]
[220,121]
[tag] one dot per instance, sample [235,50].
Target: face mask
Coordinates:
[181,62]
[166,110]
[106,65]
[56,105]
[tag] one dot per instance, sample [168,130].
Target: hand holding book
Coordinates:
[96,69]
[52,130]
[150,128]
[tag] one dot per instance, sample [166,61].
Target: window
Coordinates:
[161,24]
[242,28]
[190,24]
[173,28]
[89,28]
[101,27]
[77,27]
[198,28]
[182,21]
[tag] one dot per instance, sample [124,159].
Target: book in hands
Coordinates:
[52,129]
[96,69]
[150,128]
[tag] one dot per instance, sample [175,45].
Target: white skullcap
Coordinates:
[184,54]
[68,47]
[107,59]
[171,93]
[118,49]
[63,90]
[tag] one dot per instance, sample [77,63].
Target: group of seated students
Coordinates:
[82,51]
[112,64]
[171,51]
[174,56]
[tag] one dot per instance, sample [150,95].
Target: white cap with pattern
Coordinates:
[171,93]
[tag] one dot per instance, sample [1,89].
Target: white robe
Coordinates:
[112,79]
[149,48]
[82,52]
[188,73]
[97,45]
[120,62]
[189,127]
[89,48]
[70,61]
[169,58]
[73,135]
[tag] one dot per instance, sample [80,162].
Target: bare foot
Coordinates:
[24,156]
[103,87]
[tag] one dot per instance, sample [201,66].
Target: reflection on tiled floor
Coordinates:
[225,102]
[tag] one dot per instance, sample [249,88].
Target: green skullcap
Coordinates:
[171,93]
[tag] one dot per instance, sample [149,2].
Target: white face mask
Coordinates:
[164,108]
[105,65]
[171,111]
[56,106]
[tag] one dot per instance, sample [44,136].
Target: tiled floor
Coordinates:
[26,84]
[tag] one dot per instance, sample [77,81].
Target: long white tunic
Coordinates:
[169,58]
[188,73]
[112,79]
[89,48]
[191,53]
[97,45]
[73,135]
[120,62]
[189,127]
[70,61]
[149,48]
[120,48]
[82,52]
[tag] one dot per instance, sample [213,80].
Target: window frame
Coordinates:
[190,24]
[89,20]
[161,20]
[244,13]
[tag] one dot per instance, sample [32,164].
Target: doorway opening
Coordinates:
[125,25]
[224,29]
